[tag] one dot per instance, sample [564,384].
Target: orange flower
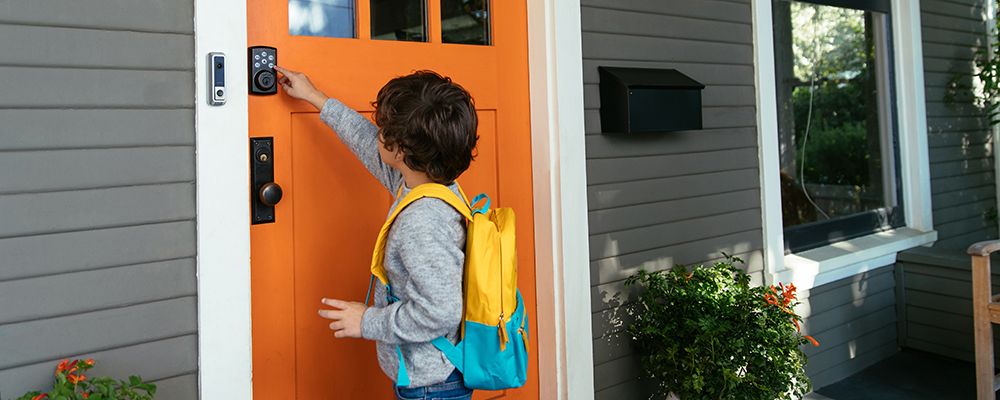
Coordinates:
[86,395]
[770,299]
[74,379]
[62,366]
[797,327]
[90,362]
[39,397]
[812,340]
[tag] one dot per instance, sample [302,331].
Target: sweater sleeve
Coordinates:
[434,260]
[361,136]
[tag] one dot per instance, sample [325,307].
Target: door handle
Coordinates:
[264,193]
[270,194]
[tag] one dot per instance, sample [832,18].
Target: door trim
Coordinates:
[560,201]
[562,256]
[224,349]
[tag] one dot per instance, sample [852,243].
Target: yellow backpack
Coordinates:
[492,353]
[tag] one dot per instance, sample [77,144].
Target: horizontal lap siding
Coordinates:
[937,290]
[97,185]
[660,199]
[854,320]
[961,159]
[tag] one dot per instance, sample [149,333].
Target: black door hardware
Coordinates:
[264,193]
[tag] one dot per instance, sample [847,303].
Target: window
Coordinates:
[404,20]
[329,18]
[837,136]
[465,21]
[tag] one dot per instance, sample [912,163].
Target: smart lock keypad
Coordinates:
[260,63]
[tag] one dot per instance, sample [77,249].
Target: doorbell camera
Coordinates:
[216,79]
[260,65]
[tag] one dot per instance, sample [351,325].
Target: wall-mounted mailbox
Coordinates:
[637,100]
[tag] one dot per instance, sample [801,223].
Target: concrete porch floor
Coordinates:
[910,375]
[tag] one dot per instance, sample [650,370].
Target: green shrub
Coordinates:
[708,334]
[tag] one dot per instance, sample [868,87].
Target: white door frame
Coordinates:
[560,203]
[562,249]
[223,163]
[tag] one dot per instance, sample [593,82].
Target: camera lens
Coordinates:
[218,66]
[219,93]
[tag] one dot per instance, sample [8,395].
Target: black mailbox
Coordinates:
[636,100]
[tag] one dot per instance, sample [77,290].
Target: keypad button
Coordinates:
[256,56]
[271,58]
[271,65]
[256,65]
[263,54]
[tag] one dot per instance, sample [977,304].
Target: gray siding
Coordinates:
[97,243]
[937,293]
[683,197]
[854,319]
[961,162]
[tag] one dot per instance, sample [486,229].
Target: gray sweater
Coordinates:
[424,260]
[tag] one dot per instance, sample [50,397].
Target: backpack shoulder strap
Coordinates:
[434,190]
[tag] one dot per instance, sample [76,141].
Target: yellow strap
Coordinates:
[434,190]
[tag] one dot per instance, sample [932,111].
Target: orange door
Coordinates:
[320,244]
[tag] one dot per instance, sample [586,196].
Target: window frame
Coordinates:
[816,234]
[849,257]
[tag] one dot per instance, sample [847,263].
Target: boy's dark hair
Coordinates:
[432,120]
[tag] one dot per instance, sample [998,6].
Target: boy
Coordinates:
[424,131]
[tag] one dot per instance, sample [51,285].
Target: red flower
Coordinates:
[90,362]
[86,395]
[39,397]
[62,366]
[812,340]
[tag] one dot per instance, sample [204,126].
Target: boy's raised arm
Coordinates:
[356,131]
[361,136]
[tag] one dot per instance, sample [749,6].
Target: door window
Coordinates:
[404,20]
[329,18]
[465,21]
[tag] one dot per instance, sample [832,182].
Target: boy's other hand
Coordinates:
[346,317]
[298,85]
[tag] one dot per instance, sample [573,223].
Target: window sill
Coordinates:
[819,266]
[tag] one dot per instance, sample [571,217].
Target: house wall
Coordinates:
[854,319]
[97,187]
[959,140]
[936,289]
[660,199]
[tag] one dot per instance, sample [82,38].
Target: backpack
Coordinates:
[492,352]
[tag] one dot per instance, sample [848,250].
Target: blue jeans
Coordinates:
[452,388]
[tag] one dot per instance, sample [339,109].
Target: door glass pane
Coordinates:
[329,18]
[465,21]
[404,20]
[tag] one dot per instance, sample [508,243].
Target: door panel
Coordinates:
[320,244]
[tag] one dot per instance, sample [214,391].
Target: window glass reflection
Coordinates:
[465,21]
[328,18]
[403,20]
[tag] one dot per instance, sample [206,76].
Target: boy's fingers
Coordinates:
[331,314]
[335,303]
[336,326]
[339,334]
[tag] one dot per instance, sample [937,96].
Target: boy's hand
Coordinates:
[298,85]
[346,317]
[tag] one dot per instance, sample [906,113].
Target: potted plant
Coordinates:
[706,333]
[72,384]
